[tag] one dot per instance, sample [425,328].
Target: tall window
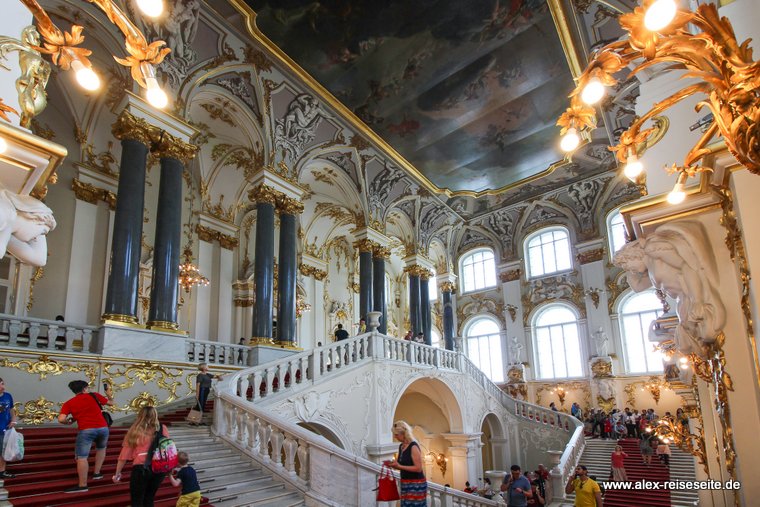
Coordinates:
[484,347]
[478,270]
[636,315]
[558,347]
[549,252]
[616,232]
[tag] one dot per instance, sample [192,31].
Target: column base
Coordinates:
[165,326]
[260,340]
[121,320]
[287,345]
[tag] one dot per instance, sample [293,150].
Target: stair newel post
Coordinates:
[265,431]
[277,438]
[303,460]
[291,446]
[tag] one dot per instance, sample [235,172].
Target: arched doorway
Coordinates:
[432,410]
[493,449]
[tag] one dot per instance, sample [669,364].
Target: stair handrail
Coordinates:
[267,438]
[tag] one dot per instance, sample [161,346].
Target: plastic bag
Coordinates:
[13,449]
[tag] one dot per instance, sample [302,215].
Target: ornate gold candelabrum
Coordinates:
[727,77]
[189,274]
[561,393]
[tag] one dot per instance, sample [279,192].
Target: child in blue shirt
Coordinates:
[7,421]
[186,477]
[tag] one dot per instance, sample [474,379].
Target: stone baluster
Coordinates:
[291,446]
[277,438]
[303,460]
[265,431]
[255,431]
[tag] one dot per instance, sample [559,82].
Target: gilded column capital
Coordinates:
[263,194]
[425,274]
[381,252]
[289,206]
[365,245]
[128,126]
[205,233]
[415,270]
[90,193]
[448,287]
[169,146]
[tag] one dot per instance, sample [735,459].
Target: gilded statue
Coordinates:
[35,73]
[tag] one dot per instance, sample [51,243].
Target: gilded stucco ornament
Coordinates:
[128,126]
[36,412]
[365,245]
[45,366]
[35,73]
[263,194]
[289,206]
[510,276]
[448,287]
[146,372]
[166,145]
[601,368]
[317,273]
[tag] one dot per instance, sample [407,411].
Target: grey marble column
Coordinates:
[263,265]
[286,297]
[378,285]
[425,318]
[365,247]
[126,244]
[414,301]
[448,315]
[165,287]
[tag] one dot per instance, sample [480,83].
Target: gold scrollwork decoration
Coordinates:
[146,372]
[45,366]
[35,412]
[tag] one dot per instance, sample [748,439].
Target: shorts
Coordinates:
[189,500]
[85,438]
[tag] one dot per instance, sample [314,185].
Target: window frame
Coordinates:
[620,317]
[500,337]
[461,263]
[610,244]
[537,234]
[579,337]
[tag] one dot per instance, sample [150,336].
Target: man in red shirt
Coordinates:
[85,409]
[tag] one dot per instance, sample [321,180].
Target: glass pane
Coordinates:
[482,327]
[634,344]
[543,346]
[497,367]
[535,261]
[563,255]
[469,278]
[550,261]
[573,350]
[3,298]
[558,351]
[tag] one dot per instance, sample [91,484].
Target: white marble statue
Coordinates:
[516,348]
[601,341]
[678,260]
[24,222]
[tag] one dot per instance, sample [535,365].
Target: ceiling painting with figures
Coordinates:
[468,92]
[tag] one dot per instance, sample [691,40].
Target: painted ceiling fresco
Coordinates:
[467,91]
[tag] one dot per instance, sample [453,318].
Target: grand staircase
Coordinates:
[596,456]
[227,479]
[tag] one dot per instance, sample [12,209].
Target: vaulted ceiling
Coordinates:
[466,91]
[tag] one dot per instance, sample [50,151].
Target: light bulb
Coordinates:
[86,77]
[570,140]
[684,366]
[659,15]
[3,145]
[684,360]
[151,8]
[593,91]
[633,168]
[155,95]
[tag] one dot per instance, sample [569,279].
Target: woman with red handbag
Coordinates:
[413,482]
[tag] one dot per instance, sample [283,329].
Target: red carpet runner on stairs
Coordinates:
[48,468]
[636,471]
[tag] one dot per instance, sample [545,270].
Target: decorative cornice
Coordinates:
[416,270]
[317,273]
[448,287]
[92,194]
[263,194]
[209,235]
[588,256]
[365,245]
[168,146]
[128,126]
[510,276]
[381,252]
[425,274]
[243,302]
[289,206]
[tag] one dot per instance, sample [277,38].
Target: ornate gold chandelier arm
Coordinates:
[61,46]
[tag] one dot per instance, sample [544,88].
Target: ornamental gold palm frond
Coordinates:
[727,77]
[4,110]
[61,46]
[139,53]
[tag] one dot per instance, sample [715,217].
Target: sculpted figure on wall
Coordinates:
[678,260]
[601,341]
[24,222]
[178,28]
[299,126]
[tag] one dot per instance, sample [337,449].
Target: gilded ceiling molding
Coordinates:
[589,256]
[263,194]
[317,273]
[128,126]
[92,194]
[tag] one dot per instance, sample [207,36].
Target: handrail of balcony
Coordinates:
[45,335]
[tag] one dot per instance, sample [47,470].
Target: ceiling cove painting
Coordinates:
[467,91]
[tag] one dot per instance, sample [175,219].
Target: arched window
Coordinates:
[478,270]
[548,251]
[615,232]
[636,315]
[558,345]
[484,347]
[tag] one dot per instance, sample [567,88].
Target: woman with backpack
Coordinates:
[139,445]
